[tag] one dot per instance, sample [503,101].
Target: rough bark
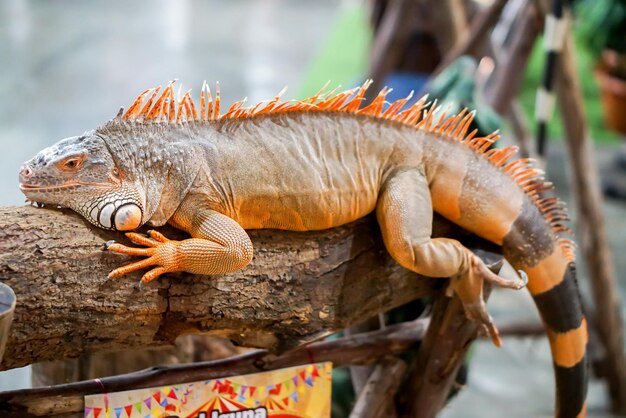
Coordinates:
[68,400]
[376,398]
[299,287]
[7,306]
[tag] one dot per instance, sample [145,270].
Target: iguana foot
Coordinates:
[161,252]
[469,287]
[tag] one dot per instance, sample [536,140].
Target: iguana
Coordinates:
[316,164]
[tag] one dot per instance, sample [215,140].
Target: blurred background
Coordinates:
[68,66]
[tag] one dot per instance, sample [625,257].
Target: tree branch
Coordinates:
[68,399]
[299,287]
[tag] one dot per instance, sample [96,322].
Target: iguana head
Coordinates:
[81,174]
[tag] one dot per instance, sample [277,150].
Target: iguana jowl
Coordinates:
[316,164]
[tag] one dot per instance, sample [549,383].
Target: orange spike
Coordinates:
[317,95]
[160,116]
[525,174]
[202,102]
[156,109]
[190,109]
[272,103]
[374,108]
[284,106]
[192,105]
[426,121]
[209,105]
[334,102]
[467,120]
[507,153]
[470,137]
[392,110]
[492,153]
[255,109]
[233,108]
[146,108]
[354,103]
[485,145]
[442,118]
[216,110]
[133,110]
[180,110]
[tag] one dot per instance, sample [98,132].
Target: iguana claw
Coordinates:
[468,285]
[160,253]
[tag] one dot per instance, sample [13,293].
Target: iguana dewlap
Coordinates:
[317,164]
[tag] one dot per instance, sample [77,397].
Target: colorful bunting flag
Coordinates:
[172,394]
[275,390]
[172,399]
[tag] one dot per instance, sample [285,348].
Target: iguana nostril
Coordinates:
[26,171]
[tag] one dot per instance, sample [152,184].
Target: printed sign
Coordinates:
[295,392]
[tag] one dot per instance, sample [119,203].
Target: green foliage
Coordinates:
[585,64]
[455,89]
[601,24]
[343,57]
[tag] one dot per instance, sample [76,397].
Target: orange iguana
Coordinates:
[316,164]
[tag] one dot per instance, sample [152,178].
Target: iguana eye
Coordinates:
[71,163]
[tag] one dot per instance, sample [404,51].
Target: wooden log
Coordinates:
[520,130]
[382,385]
[479,28]
[68,400]
[591,225]
[433,373]
[299,287]
[390,41]
[7,307]
[90,366]
[507,79]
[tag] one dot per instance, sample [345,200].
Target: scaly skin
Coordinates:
[303,169]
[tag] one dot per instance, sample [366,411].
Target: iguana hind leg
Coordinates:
[218,245]
[404,212]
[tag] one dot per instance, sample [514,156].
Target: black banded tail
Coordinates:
[531,246]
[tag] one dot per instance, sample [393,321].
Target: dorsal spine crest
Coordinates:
[424,116]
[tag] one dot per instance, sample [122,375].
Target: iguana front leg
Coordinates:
[218,245]
[404,212]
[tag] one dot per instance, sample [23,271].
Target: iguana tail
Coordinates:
[502,201]
[531,247]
